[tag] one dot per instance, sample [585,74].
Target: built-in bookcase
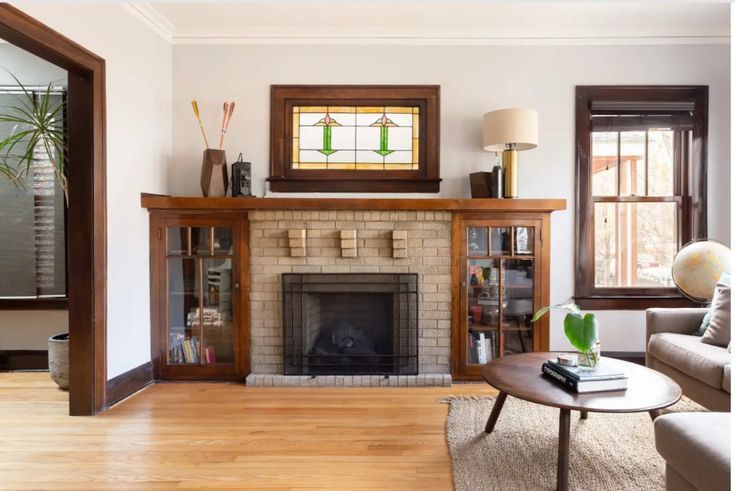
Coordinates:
[501,280]
[198,298]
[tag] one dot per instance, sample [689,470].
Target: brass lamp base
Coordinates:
[510,173]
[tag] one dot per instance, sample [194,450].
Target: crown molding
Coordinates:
[615,35]
[152,18]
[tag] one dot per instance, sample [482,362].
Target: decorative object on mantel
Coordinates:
[698,266]
[348,240]
[510,130]
[487,184]
[213,179]
[400,243]
[241,181]
[355,138]
[297,242]
[580,330]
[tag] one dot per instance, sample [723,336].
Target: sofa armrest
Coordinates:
[679,321]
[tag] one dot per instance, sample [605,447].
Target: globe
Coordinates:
[698,266]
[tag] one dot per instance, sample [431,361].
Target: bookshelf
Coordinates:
[500,277]
[197,298]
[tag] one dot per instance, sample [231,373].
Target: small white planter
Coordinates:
[58,359]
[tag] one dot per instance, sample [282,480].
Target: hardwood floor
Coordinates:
[205,435]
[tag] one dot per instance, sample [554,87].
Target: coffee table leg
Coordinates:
[495,412]
[583,415]
[562,465]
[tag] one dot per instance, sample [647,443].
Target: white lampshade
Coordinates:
[518,126]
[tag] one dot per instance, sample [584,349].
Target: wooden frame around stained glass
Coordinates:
[336,138]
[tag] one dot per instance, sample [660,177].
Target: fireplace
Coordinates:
[350,324]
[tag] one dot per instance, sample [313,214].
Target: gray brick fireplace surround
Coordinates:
[428,255]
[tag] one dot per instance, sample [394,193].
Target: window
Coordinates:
[334,138]
[641,154]
[33,247]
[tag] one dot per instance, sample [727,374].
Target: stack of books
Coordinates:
[602,378]
[482,347]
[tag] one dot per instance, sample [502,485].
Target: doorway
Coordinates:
[86,214]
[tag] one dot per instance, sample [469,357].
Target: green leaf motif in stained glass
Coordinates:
[327,122]
[383,123]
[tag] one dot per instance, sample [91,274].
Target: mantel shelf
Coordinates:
[162,202]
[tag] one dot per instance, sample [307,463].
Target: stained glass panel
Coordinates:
[355,138]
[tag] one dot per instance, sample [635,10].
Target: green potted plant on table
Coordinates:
[37,128]
[580,329]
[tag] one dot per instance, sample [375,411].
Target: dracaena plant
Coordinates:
[581,329]
[36,120]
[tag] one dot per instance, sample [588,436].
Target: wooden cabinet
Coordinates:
[500,278]
[199,296]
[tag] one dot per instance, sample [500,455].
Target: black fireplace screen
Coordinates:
[350,324]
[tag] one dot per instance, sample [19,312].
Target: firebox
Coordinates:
[350,324]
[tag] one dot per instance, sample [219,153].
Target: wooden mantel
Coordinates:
[160,202]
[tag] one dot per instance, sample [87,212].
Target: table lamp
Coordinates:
[508,131]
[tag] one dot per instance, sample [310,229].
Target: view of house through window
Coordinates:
[635,206]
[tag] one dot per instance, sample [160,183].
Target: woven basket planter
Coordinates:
[58,359]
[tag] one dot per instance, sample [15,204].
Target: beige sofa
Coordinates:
[702,370]
[696,447]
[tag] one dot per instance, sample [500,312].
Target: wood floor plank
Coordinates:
[227,436]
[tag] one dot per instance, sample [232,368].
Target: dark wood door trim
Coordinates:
[87,251]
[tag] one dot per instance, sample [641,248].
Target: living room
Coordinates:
[310,244]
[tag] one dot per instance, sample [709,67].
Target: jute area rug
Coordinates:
[607,451]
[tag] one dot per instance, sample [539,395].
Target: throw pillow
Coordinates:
[718,332]
[726,279]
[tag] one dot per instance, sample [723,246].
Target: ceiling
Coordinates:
[437,22]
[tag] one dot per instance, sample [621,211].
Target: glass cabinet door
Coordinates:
[499,285]
[199,272]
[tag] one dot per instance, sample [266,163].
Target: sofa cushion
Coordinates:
[726,378]
[687,354]
[697,445]
[718,331]
[725,279]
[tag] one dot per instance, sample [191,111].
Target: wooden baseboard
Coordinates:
[638,357]
[23,360]
[128,383]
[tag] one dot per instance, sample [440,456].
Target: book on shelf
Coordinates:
[481,349]
[473,357]
[587,385]
[209,356]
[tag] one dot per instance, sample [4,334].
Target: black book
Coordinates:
[602,371]
[583,386]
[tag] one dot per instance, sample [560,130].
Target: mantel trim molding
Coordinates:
[161,202]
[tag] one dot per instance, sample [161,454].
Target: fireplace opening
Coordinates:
[350,324]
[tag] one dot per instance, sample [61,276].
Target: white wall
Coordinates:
[28,329]
[138,65]
[473,80]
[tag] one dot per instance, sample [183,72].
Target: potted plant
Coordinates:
[580,329]
[36,119]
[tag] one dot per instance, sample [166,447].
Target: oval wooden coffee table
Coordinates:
[520,376]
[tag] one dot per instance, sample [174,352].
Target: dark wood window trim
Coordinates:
[691,191]
[34,303]
[285,179]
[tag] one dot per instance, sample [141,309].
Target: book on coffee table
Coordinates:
[583,380]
